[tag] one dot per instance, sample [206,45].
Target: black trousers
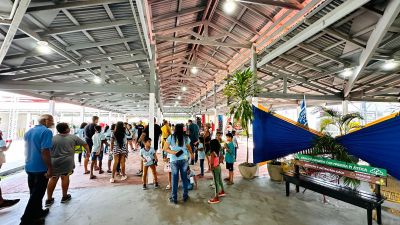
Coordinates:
[37,183]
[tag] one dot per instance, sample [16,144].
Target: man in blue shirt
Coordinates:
[38,142]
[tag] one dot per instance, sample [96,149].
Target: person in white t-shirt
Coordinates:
[4,146]
[99,140]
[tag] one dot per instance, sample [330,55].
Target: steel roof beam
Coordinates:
[77,67]
[73,5]
[288,4]
[72,87]
[391,12]
[173,15]
[324,22]
[101,43]
[93,26]
[202,42]
[13,28]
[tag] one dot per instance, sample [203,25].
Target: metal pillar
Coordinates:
[215,106]
[345,107]
[52,107]
[253,68]
[82,114]
[152,97]
[13,120]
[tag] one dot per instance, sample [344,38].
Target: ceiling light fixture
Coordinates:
[179,97]
[97,80]
[43,47]
[347,72]
[390,65]
[184,88]
[229,6]
[194,70]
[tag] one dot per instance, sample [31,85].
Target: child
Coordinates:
[97,150]
[229,157]
[192,179]
[216,170]
[62,161]
[202,155]
[110,154]
[149,158]
[235,142]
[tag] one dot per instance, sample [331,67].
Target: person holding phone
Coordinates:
[4,146]
[178,145]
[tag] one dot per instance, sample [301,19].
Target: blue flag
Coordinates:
[303,113]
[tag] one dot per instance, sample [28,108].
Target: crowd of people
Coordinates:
[51,158]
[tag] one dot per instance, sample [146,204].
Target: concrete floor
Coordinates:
[258,201]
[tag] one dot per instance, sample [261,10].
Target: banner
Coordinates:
[343,165]
[275,137]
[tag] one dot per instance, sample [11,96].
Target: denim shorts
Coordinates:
[99,157]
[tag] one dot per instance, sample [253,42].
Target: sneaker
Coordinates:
[185,199]
[101,171]
[214,200]
[144,187]
[124,177]
[168,187]
[109,171]
[173,200]
[156,185]
[112,180]
[139,173]
[49,202]
[8,203]
[222,194]
[44,213]
[66,198]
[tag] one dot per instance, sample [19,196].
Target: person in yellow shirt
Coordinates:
[165,132]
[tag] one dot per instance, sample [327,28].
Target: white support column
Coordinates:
[254,70]
[345,107]
[152,96]
[109,118]
[82,114]
[52,107]
[215,107]
[124,117]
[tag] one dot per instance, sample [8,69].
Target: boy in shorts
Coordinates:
[97,150]
[229,157]
[149,158]
[62,161]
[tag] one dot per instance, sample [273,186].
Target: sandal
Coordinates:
[87,172]
[93,177]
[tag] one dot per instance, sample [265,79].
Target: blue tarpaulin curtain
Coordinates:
[378,145]
[274,137]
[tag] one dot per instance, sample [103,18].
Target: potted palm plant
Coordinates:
[344,124]
[240,88]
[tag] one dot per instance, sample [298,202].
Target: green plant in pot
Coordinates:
[344,123]
[240,88]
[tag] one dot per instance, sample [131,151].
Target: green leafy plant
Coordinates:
[345,123]
[239,89]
